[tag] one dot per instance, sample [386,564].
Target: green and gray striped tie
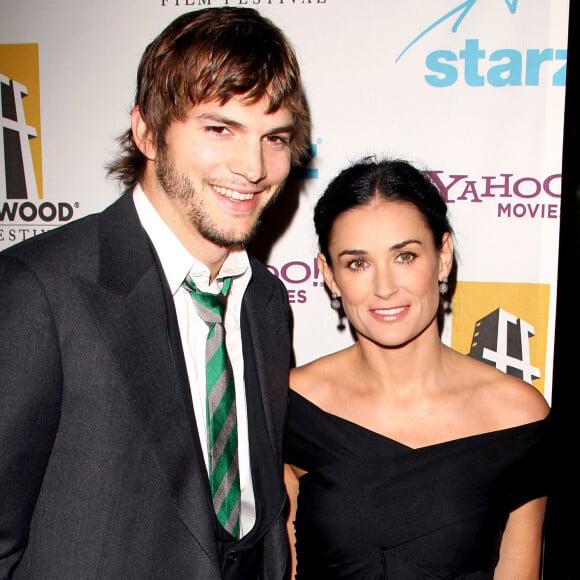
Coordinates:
[224,476]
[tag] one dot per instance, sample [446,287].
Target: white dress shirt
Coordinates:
[177,263]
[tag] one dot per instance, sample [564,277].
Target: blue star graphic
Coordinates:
[461,10]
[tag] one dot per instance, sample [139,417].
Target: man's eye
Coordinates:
[217,129]
[278,139]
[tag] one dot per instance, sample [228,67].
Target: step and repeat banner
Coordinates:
[472,91]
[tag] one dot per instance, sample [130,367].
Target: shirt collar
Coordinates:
[175,260]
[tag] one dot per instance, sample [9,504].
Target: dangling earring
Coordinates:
[443,287]
[335,301]
[336,305]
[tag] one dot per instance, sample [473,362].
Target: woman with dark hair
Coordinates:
[407,460]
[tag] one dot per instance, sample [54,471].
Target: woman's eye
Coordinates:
[406,257]
[357,264]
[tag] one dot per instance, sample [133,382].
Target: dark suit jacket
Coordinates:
[101,471]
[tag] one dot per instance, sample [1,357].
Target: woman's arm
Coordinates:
[291,481]
[521,546]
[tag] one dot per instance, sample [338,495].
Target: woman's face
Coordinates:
[386,268]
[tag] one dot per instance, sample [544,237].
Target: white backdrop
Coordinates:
[471,90]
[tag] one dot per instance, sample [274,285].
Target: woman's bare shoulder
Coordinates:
[316,379]
[508,399]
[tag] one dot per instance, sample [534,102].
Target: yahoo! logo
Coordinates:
[499,67]
[295,274]
[519,197]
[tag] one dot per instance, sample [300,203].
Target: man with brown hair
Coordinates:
[111,465]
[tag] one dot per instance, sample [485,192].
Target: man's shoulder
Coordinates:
[61,243]
[265,290]
[261,273]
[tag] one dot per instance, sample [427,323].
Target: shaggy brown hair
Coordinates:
[208,55]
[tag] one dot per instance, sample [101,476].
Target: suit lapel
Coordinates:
[266,346]
[262,330]
[129,306]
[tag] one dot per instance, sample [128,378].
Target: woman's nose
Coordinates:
[385,283]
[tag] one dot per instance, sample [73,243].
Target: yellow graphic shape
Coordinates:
[19,62]
[474,301]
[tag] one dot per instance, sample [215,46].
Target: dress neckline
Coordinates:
[466,438]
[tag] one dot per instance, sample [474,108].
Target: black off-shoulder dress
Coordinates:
[372,508]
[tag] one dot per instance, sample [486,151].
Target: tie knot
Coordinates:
[210,307]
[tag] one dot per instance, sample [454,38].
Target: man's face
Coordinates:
[222,166]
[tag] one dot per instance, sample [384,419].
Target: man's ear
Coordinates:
[142,135]
[446,256]
[327,274]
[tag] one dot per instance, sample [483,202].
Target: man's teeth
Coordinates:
[232,194]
